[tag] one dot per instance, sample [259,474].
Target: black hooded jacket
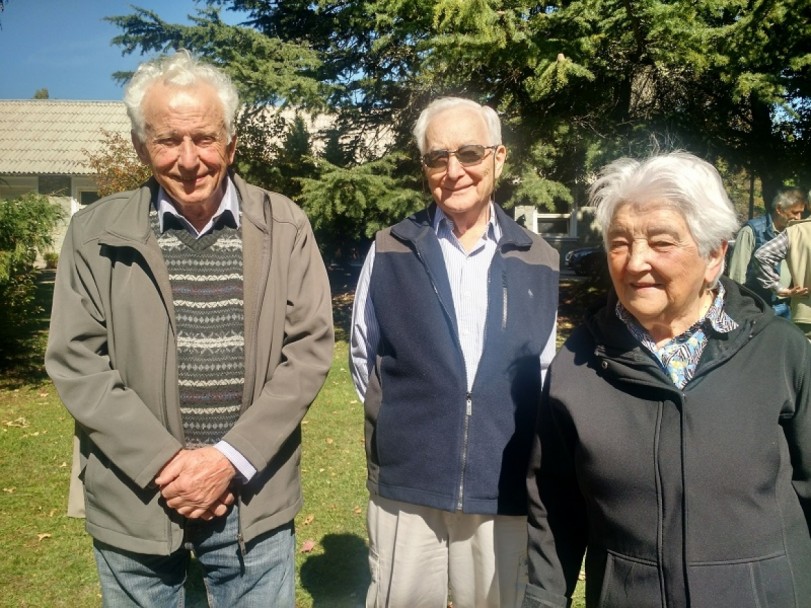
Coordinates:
[692,498]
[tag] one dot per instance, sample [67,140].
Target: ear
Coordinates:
[500,155]
[140,148]
[715,263]
[231,149]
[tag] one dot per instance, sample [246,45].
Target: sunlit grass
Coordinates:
[47,558]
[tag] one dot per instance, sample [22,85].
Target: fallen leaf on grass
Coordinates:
[9,490]
[20,423]
[307,546]
[308,520]
[357,511]
[330,441]
[43,536]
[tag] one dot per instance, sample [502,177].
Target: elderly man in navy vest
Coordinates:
[787,206]
[453,328]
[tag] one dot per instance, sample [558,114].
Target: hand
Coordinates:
[220,506]
[195,483]
[788,292]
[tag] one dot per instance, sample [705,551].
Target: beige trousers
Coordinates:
[76,489]
[418,554]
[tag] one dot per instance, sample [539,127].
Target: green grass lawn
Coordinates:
[47,558]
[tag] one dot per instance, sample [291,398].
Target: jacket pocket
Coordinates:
[115,504]
[630,582]
[761,583]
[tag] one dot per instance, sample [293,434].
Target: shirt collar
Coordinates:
[493,230]
[715,318]
[229,205]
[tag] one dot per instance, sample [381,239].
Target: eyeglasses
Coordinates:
[466,155]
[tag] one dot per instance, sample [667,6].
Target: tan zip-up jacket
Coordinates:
[112,357]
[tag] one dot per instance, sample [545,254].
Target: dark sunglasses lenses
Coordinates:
[466,155]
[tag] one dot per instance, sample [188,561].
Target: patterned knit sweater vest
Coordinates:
[207,290]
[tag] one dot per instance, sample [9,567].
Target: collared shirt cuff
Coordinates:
[241,464]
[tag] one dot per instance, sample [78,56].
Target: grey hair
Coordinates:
[679,180]
[788,198]
[437,106]
[181,69]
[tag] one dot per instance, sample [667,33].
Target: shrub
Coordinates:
[51,259]
[26,226]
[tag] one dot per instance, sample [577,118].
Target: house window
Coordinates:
[54,185]
[12,186]
[553,224]
[88,196]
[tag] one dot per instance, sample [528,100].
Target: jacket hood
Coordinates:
[747,309]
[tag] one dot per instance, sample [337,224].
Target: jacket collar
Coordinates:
[132,221]
[415,227]
[750,312]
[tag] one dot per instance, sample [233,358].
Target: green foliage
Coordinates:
[268,70]
[347,205]
[116,165]
[26,227]
[583,80]
[275,153]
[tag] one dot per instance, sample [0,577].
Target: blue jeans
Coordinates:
[264,575]
[781,309]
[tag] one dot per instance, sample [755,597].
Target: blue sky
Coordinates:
[64,46]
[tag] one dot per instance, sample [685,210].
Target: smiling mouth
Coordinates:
[190,181]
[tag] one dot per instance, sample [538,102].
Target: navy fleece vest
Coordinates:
[429,442]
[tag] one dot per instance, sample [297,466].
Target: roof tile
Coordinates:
[49,136]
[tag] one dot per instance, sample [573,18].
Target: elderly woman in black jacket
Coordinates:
[673,444]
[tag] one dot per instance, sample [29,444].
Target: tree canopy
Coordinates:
[576,82]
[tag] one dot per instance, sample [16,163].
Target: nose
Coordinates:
[638,257]
[455,169]
[187,155]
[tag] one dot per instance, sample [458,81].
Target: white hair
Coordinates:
[437,106]
[789,197]
[181,69]
[678,180]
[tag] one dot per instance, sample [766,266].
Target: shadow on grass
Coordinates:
[339,576]
[23,350]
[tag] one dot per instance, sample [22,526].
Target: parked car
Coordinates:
[587,261]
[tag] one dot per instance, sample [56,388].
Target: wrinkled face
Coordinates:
[186,144]
[782,217]
[656,268]
[462,191]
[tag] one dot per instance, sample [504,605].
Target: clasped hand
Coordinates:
[792,291]
[196,483]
